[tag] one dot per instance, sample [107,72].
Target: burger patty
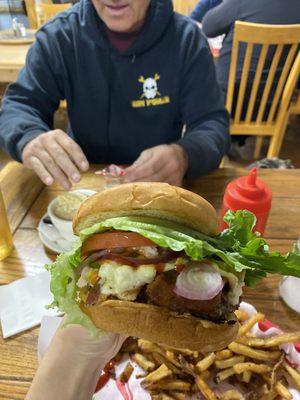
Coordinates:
[160,292]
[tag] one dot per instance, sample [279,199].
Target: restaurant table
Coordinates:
[12,59]
[27,199]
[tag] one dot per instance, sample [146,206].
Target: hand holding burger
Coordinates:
[72,364]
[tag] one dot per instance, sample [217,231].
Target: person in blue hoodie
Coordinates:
[133,73]
[202,9]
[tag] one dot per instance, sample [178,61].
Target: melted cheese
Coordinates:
[235,285]
[118,280]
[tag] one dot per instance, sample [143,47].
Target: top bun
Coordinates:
[153,199]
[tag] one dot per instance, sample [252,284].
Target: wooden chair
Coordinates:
[295,106]
[40,13]
[31,14]
[48,11]
[184,6]
[266,121]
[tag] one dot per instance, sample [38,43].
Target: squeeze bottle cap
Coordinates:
[248,192]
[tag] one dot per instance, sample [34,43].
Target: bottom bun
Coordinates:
[160,325]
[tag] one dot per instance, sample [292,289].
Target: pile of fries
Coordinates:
[250,368]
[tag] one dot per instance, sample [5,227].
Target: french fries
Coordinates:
[230,362]
[256,366]
[241,315]
[205,389]
[248,366]
[143,362]
[160,373]
[207,361]
[179,395]
[293,374]
[283,391]
[246,376]
[224,374]
[178,385]
[232,395]
[261,355]
[250,323]
[223,354]
[161,359]
[269,342]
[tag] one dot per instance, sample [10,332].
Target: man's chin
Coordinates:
[119,26]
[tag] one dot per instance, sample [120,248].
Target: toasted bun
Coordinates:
[160,325]
[158,200]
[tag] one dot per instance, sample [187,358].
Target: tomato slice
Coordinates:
[113,240]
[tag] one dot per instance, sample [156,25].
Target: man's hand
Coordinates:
[164,163]
[54,156]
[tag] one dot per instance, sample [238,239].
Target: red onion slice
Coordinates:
[90,258]
[199,281]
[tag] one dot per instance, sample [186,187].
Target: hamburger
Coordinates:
[150,263]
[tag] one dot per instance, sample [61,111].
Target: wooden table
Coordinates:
[27,201]
[12,59]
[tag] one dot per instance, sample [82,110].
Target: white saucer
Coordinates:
[51,238]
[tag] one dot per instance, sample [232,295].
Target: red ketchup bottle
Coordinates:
[248,193]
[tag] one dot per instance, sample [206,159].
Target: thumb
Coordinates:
[145,156]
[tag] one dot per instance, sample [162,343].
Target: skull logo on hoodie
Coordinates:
[150,88]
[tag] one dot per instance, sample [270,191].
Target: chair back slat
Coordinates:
[289,88]
[256,81]
[269,82]
[244,80]
[250,32]
[280,86]
[184,7]
[31,14]
[232,73]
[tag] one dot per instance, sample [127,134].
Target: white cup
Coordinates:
[64,226]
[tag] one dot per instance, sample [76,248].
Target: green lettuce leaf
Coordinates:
[63,288]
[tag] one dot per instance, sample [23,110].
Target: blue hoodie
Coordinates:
[120,103]
[202,9]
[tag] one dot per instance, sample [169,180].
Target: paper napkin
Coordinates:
[23,302]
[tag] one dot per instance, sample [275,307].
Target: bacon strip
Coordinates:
[93,296]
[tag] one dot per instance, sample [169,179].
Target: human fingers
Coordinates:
[50,164]
[145,169]
[74,150]
[62,158]
[38,167]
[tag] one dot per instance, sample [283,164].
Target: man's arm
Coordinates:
[202,8]
[26,119]
[219,20]
[206,139]
[30,102]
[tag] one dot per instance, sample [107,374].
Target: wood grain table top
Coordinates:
[12,59]
[27,199]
